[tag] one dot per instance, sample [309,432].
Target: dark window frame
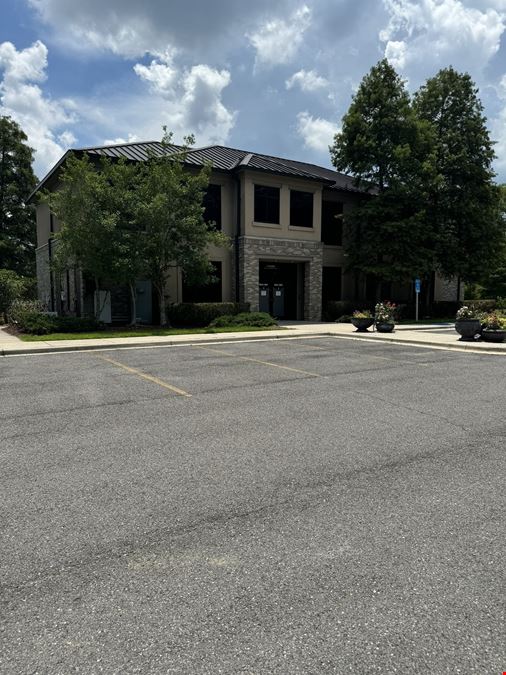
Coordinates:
[332,226]
[212,205]
[267,204]
[301,215]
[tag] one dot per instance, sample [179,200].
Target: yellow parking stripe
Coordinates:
[264,363]
[145,376]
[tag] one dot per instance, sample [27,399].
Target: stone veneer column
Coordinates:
[254,249]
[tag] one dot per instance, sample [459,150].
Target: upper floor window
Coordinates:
[266,204]
[212,205]
[301,208]
[332,223]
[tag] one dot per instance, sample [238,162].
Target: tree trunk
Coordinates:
[161,303]
[133,296]
[458,288]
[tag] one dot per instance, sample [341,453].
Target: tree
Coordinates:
[387,149]
[95,207]
[11,288]
[463,201]
[17,180]
[169,208]
[494,281]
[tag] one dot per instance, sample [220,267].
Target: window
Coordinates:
[212,205]
[301,208]
[332,223]
[206,292]
[266,204]
[331,284]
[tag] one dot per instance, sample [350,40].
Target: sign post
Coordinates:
[418,285]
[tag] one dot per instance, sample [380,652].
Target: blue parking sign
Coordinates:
[418,285]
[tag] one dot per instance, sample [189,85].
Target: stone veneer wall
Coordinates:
[254,249]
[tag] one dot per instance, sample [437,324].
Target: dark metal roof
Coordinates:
[222,159]
[228,159]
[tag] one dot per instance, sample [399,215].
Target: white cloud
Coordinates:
[316,132]
[307,80]
[192,104]
[435,33]
[395,52]
[132,138]
[161,73]
[277,41]
[42,119]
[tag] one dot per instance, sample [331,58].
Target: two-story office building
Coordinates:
[284,219]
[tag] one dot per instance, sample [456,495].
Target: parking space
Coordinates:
[278,506]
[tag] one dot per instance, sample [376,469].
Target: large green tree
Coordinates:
[387,149]
[97,231]
[122,221]
[170,211]
[463,201]
[17,180]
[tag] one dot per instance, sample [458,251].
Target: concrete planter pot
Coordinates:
[468,328]
[493,335]
[384,326]
[362,324]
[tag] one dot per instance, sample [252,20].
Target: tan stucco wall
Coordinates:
[283,230]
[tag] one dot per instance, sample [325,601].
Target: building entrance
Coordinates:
[281,291]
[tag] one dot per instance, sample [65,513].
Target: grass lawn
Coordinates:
[139,332]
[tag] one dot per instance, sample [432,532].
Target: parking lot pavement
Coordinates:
[296,506]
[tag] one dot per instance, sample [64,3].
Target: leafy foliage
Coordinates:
[17,180]
[254,319]
[387,148]
[169,208]
[203,313]
[463,202]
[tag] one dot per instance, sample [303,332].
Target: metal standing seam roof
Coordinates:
[227,159]
[222,158]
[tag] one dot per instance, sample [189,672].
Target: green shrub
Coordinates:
[75,324]
[28,317]
[11,289]
[485,305]
[198,314]
[256,319]
[334,309]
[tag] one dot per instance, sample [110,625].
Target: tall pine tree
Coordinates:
[463,201]
[387,149]
[17,180]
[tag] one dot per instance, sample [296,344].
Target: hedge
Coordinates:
[256,319]
[198,314]
[28,317]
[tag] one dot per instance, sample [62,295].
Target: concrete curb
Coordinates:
[222,338]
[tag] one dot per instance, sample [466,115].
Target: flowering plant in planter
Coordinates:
[384,312]
[466,313]
[468,323]
[493,321]
[493,327]
[362,320]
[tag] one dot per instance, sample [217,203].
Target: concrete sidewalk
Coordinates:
[441,336]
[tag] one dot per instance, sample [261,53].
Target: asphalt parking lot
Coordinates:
[287,506]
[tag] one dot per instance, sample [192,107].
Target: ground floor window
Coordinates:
[211,292]
[331,284]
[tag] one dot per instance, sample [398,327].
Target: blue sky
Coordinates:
[272,77]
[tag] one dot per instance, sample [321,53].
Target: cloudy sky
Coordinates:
[263,75]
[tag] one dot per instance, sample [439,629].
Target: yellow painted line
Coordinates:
[145,376]
[264,363]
